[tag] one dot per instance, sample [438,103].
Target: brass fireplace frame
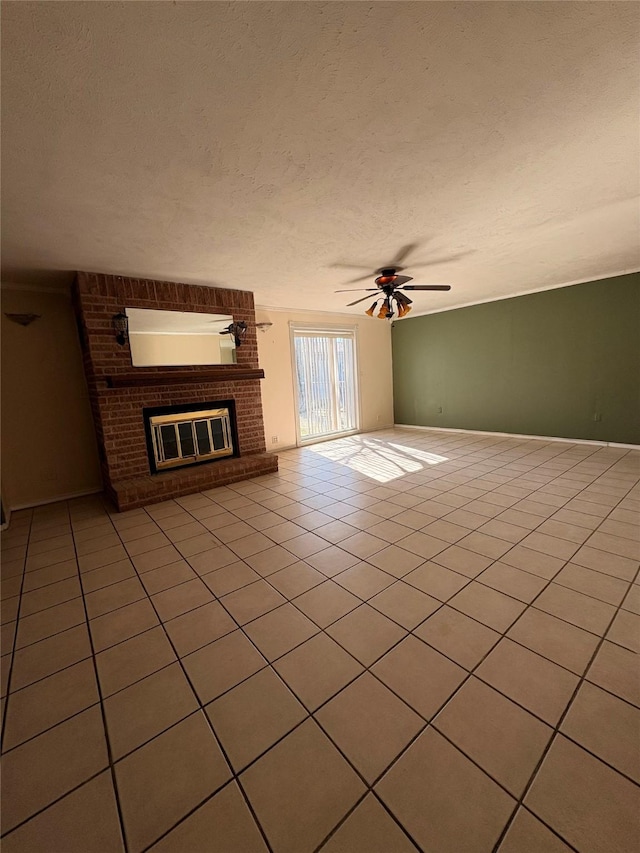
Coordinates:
[190,443]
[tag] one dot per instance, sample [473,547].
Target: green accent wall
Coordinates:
[562,362]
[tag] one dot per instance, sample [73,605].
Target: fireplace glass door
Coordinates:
[184,438]
[326,387]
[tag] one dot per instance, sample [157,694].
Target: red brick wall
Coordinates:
[117,412]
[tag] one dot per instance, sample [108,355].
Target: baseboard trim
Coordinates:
[68,497]
[522,435]
[626,446]
[326,438]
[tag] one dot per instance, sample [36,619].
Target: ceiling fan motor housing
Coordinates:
[391,279]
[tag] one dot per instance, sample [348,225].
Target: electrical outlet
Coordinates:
[439,410]
[274,439]
[597,416]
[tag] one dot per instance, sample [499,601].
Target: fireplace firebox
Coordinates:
[178,436]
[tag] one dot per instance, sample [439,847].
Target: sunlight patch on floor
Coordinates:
[375,458]
[429,458]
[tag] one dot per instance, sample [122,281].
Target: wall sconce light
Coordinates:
[121,327]
[238,330]
[264,326]
[22,319]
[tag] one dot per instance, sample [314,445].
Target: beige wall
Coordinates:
[48,443]
[151,350]
[274,352]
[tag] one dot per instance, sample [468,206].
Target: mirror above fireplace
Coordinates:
[179,338]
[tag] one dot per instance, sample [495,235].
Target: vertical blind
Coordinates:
[326,382]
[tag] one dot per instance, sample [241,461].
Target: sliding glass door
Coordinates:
[326,387]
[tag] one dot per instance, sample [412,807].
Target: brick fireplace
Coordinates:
[120,392]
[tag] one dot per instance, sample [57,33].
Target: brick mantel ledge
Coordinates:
[181,377]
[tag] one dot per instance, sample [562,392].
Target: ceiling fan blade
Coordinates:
[366,277]
[444,260]
[350,266]
[357,300]
[402,254]
[427,287]
[356,290]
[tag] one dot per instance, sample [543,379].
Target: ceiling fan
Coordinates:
[391,286]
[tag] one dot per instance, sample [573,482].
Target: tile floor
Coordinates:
[403,640]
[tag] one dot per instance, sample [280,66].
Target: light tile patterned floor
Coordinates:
[404,640]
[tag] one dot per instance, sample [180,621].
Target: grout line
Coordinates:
[310,715]
[103,715]
[200,804]
[523,807]
[56,801]
[557,732]
[201,709]
[14,643]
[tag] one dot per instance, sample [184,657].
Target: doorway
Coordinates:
[325,381]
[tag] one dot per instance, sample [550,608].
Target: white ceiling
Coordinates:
[254,145]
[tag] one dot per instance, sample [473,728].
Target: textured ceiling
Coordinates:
[255,145]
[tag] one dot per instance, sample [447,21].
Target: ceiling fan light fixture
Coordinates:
[370,311]
[403,302]
[386,311]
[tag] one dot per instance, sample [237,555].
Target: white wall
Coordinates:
[48,441]
[274,352]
